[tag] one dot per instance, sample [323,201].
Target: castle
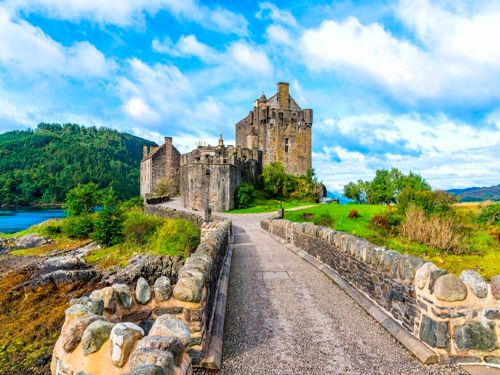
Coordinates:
[276,130]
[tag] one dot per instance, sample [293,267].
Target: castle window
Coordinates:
[287,144]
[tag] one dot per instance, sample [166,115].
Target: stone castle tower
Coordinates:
[276,130]
[281,129]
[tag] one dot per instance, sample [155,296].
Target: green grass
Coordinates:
[339,212]
[484,255]
[270,205]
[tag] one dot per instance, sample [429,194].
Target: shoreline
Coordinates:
[39,206]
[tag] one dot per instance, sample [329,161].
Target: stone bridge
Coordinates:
[287,312]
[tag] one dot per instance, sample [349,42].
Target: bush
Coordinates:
[380,222]
[245,195]
[432,202]
[435,231]
[51,229]
[138,227]
[77,226]
[490,214]
[163,187]
[176,237]
[82,199]
[387,222]
[109,225]
[353,214]
[325,220]
[135,202]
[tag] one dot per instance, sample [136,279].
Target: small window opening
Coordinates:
[287,144]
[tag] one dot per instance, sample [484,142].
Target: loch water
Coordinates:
[16,220]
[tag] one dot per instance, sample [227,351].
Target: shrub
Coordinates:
[163,187]
[82,199]
[109,225]
[353,214]
[380,222]
[490,214]
[138,227]
[432,202]
[77,226]
[387,222]
[245,195]
[135,202]
[325,220]
[52,229]
[435,231]
[176,237]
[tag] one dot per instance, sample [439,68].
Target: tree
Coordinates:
[356,191]
[383,187]
[109,222]
[82,199]
[277,183]
[245,195]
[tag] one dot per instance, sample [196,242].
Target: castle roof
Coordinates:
[273,102]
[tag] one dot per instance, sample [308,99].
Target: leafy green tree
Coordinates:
[109,222]
[277,183]
[356,191]
[383,187]
[83,199]
[245,195]
[431,202]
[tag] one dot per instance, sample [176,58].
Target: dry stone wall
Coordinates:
[148,328]
[458,317]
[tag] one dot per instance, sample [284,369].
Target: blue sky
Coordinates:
[412,84]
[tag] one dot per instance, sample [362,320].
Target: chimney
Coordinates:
[144,151]
[284,95]
[168,141]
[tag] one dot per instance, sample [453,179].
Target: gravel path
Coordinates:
[283,316]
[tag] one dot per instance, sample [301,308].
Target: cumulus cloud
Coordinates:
[454,57]
[27,49]
[352,147]
[128,12]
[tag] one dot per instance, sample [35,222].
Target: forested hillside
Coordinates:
[477,194]
[42,165]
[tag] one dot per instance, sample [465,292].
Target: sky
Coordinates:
[410,84]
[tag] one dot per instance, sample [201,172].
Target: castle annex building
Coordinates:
[276,130]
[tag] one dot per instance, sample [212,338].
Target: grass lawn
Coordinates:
[270,205]
[485,251]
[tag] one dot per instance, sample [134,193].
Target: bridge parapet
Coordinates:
[457,317]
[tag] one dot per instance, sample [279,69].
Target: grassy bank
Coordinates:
[483,254]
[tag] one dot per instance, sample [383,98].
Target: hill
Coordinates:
[40,166]
[477,194]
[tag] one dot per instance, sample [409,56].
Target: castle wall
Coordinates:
[211,175]
[160,164]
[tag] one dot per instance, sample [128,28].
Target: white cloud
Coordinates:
[455,56]
[445,152]
[27,49]
[128,12]
[278,34]
[187,46]
[247,57]
[271,11]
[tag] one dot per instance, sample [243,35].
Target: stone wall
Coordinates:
[458,317]
[157,328]
[160,164]
[211,174]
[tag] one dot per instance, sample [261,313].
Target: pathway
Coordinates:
[283,316]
